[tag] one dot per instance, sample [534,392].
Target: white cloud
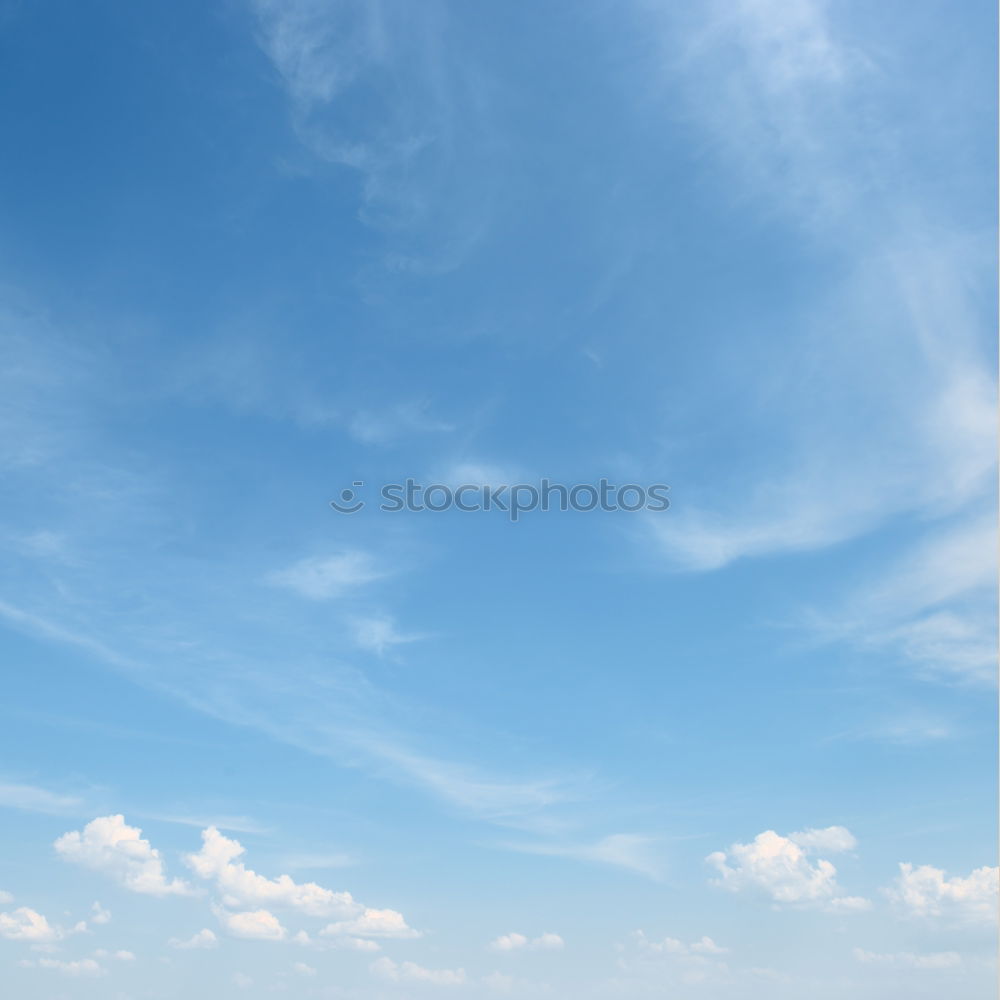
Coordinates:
[519,942]
[240,885]
[239,824]
[371,427]
[623,850]
[832,839]
[654,965]
[254,925]
[119,956]
[765,72]
[84,967]
[906,959]
[933,606]
[379,634]
[354,944]
[6,897]
[372,923]
[107,844]
[923,891]
[301,969]
[242,980]
[25,924]
[509,942]
[202,939]
[904,408]
[29,798]
[905,729]
[323,577]
[779,866]
[339,732]
[458,784]
[99,915]
[674,946]
[706,946]
[478,474]
[421,150]
[397,972]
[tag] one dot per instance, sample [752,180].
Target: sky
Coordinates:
[256,253]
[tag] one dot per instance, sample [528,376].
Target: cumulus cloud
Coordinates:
[301,969]
[509,942]
[909,960]
[520,942]
[673,946]
[254,925]
[107,844]
[402,972]
[653,965]
[202,939]
[239,885]
[24,924]
[372,923]
[923,891]
[780,867]
[99,915]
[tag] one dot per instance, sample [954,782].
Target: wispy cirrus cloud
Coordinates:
[31,798]
[878,400]
[393,422]
[340,716]
[631,851]
[422,153]
[934,606]
[324,577]
[917,441]
[378,634]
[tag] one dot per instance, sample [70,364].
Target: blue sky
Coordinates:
[255,252]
